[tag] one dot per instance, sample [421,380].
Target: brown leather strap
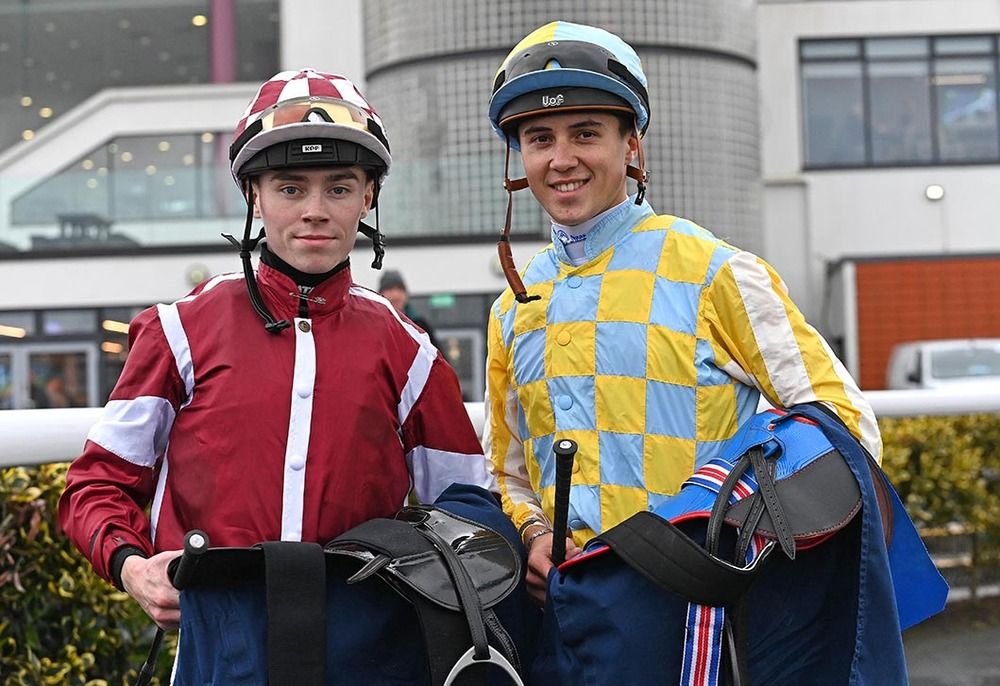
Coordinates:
[503,245]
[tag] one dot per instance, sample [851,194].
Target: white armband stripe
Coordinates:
[135,430]
[435,470]
[772,331]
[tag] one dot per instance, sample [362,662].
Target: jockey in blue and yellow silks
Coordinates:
[649,342]
[652,339]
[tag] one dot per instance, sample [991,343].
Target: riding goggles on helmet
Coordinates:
[564,67]
[316,128]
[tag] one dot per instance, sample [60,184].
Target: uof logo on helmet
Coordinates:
[552,100]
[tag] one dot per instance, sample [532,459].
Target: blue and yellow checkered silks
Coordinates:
[649,356]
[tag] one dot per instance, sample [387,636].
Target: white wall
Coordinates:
[813,218]
[335,47]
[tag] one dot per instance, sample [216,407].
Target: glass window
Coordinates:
[80,189]
[58,379]
[65,322]
[219,194]
[876,48]
[900,111]
[6,381]
[953,364]
[132,179]
[151,177]
[826,49]
[56,54]
[963,45]
[834,121]
[928,100]
[965,92]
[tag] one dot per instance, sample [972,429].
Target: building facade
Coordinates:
[814,132]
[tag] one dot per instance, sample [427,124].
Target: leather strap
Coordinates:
[295,577]
[472,606]
[666,556]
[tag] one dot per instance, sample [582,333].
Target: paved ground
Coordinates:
[959,647]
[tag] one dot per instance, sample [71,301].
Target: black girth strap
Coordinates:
[666,556]
[295,576]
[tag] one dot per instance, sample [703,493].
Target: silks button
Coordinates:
[304,327]
[576,524]
[574,281]
[297,462]
[564,338]
[565,402]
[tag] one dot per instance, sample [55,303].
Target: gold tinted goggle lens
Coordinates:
[314,109]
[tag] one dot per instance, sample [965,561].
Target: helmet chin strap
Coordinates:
[376,236]
[503,245]
[510,185]
[246,248]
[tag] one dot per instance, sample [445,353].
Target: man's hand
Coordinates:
[148,584]
[540,562]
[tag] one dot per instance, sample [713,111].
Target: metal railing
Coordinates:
[32,437]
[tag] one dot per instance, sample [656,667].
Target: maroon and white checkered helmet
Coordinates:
[323,118]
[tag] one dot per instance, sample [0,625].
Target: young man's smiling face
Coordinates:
[575,163]
[311,215]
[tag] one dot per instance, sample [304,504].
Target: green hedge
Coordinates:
[947,471]
[62,625]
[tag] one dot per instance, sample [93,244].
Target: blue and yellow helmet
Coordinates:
[564,67]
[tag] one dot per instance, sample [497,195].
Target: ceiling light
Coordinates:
[112,347]
[188,159]
[13,331]
[126,156]
[163,146]
[934,192]
[207,137]
[150,169]
[91,184]
[87,164]
[27,134]
[26,101]
[45,112]
[113,325]
[199,20]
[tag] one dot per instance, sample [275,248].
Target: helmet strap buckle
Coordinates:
[638,173]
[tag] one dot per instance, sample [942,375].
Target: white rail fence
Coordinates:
[31,437]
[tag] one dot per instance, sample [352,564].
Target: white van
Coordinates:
[944,363]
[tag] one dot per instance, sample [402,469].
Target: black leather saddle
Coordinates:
[451,569]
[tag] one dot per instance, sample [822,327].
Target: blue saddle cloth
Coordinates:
[373,634]
[834,615]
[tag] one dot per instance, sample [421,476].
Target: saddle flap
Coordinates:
[818,499]
[817,491]
[416,566]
